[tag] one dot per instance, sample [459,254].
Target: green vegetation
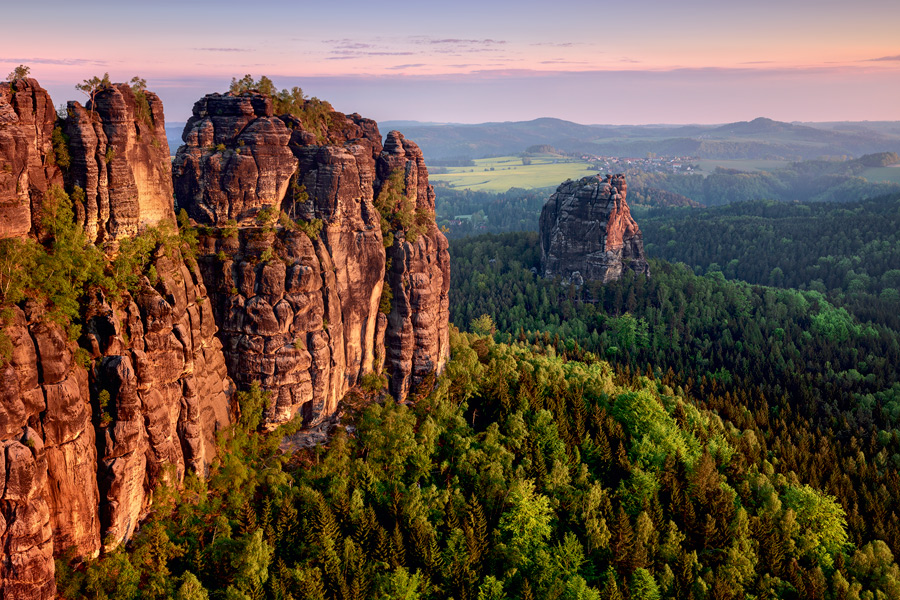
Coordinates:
[752,352]
[711,165]
[61,153]
[501,173]
[20,72]
[398,211]
[849,251]
[91,86]
[314,114]
[60,271]
[139,87]
[523,475]
[466,212]
[808,181]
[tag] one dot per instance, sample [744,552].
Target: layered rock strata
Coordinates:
[27,162]
[85,437]
[588,234]
[119,162]
[300,313]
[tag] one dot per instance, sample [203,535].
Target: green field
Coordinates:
[878,174]
[708,165]
[508,172]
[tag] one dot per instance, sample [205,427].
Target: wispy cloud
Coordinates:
[409,66]
[462,41]
[223,49]
[757,62]
[557,44]
[56,61]
[895,58]
[349,44]
[355,53]
[562,61]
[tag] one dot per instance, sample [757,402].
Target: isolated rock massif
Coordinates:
[301,284]
[588,234]
[305,314]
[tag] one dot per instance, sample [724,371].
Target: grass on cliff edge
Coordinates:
[510,172]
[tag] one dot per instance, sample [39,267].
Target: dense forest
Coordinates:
[524,474]
[850,252]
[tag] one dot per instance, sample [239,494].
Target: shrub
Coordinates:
[387,298]
[83,358]
[61,153]
[372,382]
[310,228]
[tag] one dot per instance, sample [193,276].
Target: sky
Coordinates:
[598,62]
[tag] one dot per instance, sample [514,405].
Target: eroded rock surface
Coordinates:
[27,163]
[120,162]
[300,314]
[588,234]
[86,437]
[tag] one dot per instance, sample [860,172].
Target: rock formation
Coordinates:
[311,287]
[85,437]
[587,233]
[27,162]
[300,313]
[120,162]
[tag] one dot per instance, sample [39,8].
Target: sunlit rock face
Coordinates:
[120,162]
[300,313]
[87,435]
[27,164]
[588,234]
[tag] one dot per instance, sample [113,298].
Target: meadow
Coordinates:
[877,174]
[498,174]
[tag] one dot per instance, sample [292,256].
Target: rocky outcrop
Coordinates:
[417,334]
[48,458]
[87,435]
[27,162]
[311,287]
[161,390]
[300,313]
[588,234]
[119,162]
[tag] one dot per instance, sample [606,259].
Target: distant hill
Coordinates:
[173,135]
[760,138]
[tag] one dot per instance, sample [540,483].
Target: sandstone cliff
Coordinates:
[119,162]
[85,437]
[323,263]
[27,163]
[299,312]
[588,234]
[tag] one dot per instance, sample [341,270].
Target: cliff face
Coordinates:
[417,334]
[588,234]
[27,163]
[84,442]
[300,313]
[120,161]
[304,291]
